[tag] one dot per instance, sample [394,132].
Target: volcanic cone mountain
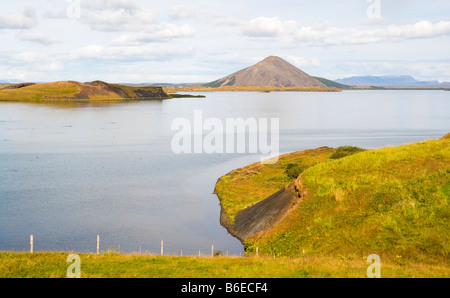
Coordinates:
[272,71]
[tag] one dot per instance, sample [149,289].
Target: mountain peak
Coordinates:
[272,71]
[273,58]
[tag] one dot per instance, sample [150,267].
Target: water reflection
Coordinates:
[70,171]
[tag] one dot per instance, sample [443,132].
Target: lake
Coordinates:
[70,172]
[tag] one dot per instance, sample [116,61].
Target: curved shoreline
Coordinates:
[259,217]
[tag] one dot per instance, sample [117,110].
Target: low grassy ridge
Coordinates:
[111,265]
[71,90]
[393,202]
[57,90]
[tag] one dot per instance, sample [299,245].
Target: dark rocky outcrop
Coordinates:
[18,86]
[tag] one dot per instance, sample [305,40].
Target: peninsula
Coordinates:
[71,90]
[344,202]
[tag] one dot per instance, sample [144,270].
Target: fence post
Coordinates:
[31,244]
[256,251]
[98,244]
[162,247]
[212,251]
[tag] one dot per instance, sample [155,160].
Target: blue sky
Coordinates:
[140,41]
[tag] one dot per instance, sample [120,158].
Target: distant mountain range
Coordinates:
[390,81]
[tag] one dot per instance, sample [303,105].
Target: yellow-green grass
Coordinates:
[111,265]
[392,202]
[39,92]
[68,91]
[248,185]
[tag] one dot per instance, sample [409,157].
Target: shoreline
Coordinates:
[261,216]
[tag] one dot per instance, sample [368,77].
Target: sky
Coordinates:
[142,41]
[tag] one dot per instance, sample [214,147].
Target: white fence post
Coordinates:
[98,244]
[31,244]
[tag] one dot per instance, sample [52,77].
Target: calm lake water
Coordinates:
[71,171]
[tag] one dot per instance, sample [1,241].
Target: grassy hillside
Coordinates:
[393,202]
[71,90]
[248,185]
[111,265]
[57,90]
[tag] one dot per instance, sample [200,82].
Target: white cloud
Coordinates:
[155,33]
[112,4]
[342,36]
[421,29]
[37,37]
[325,34]
[138,24]
[119,20]
[25,20]
[227,21]
[267,27]
[127,53]
[430,70]
[39,61]
[181,12]
[304,62]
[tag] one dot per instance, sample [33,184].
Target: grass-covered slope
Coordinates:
[248,185]
[392,202]
[71,90]
[57,90]
[111,265]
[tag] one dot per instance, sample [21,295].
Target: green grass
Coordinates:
[248,185]
[111,265]
[345,151]
[392,201]
[66,91]
[40,92]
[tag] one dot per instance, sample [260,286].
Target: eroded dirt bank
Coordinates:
[264,215]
